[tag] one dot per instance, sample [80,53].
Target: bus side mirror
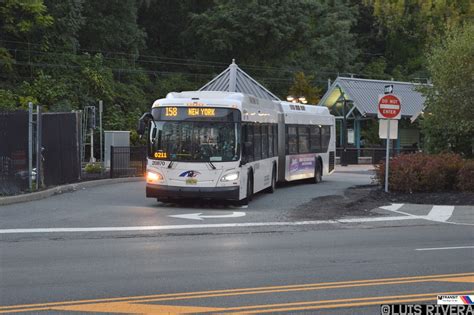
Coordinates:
[143,122]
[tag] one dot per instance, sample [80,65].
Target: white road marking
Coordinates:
[198,226]
[393,207]
[199,216]
[442,248]
[437,213]
[440,213]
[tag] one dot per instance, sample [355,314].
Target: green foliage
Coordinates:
[112,26]
[407,27]
[19,18]
[93,168]
[8,100]
[251,31]
[449,115]
[67,54]
[302,87]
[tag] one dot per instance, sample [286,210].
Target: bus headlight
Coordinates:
[230,177]
[152,177]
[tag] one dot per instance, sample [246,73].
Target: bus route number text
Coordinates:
[171,111]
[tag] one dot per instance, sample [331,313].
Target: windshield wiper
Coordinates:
[171,164]
[212,165]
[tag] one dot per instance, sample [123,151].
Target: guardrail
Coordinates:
[368,155]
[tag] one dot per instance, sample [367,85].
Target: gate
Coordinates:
[13,152]
[127,161]
[60,140]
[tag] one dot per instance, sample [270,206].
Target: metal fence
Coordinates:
[14,173]
[61,143]
[127,161]
[368,155]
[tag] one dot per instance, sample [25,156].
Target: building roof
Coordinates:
[365,93]
[234,79]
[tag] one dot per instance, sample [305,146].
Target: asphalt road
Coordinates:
[266,264]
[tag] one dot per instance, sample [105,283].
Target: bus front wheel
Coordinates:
[249,192]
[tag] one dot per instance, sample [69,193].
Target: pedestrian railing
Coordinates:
[368,155]
[127,161]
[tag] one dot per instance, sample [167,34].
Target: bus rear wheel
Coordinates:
[272,187]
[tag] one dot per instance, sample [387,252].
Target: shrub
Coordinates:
[466,176]
[93,168]
[421,172]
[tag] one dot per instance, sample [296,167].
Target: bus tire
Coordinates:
[318,172]
[272,187]
[249,191]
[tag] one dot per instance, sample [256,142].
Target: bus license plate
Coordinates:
[191,181]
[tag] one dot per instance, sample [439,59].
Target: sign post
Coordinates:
[389,108]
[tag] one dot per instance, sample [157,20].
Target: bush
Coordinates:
[93,168]
[466,177]
[421,172]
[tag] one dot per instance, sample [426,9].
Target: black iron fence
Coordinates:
[368,155]
[14,174]
[61,148]
[127,161]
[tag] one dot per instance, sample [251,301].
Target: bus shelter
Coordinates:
[354,102]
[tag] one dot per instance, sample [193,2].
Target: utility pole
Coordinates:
[101,108]
[39,153]
[92,127]
[344,134]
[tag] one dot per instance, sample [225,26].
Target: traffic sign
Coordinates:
[383,129]
[389,107]
[388,89]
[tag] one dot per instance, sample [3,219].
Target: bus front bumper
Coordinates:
[177,192]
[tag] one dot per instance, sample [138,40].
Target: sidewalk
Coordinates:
[63,189]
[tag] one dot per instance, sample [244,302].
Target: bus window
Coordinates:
[275,140]
[292,140]
[264,141]
[303,139]
[248,137]
[257,143]
[325,137]
[315,139]
[270,140]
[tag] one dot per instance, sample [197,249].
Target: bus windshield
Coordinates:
[195,140]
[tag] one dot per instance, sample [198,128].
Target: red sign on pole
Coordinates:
[389,107]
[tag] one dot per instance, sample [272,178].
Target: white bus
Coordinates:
[229,146]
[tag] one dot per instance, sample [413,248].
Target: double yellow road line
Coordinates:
[129,304]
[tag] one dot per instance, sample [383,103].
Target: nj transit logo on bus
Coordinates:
[189,174]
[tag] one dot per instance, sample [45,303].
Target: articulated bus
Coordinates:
[229,146]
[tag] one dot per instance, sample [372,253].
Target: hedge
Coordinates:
[420,172]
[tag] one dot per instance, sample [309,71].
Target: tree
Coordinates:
[302,87]
[407,27]
[254,32]
[112,26]
[449,115]
[68,20]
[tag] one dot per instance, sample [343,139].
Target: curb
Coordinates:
[65,188]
